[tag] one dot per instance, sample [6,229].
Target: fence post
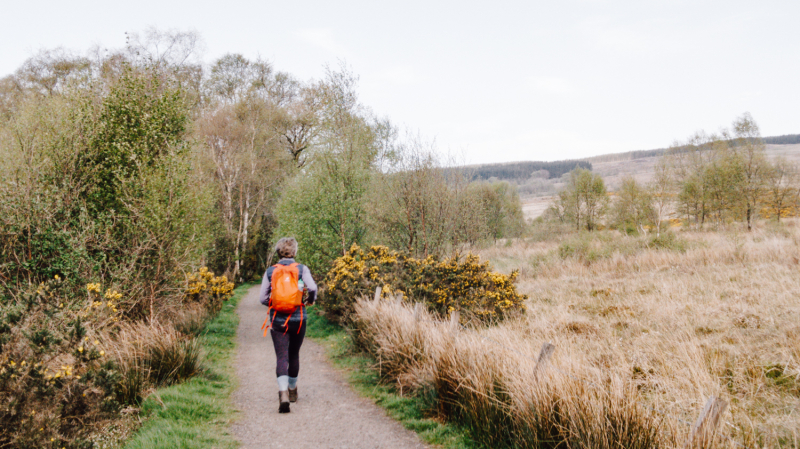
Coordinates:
[704,429]
[377,294]
[544,358]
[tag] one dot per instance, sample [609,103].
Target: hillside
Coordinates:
[536,193]
[524,170]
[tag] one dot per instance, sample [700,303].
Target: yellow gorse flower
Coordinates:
[464,284]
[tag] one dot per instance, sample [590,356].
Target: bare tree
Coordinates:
[246,165]
[661,193]
[749,147]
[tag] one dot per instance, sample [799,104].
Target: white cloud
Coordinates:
[602,33]
[551,86]
[399,75]
[322,38]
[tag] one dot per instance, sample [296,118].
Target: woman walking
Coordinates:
[282,291]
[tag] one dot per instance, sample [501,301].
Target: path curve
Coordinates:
[328,413]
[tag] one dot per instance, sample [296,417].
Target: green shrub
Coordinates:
[592,247]
[455,284]
[668,241]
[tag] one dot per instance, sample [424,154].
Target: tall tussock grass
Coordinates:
[487,381]
[713,314]
[155,353]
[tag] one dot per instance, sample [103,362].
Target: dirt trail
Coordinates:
[328,414]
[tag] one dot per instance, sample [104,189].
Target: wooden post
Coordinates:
[455,320]
[704,429]
[544,358]
[417,310]
[377,293]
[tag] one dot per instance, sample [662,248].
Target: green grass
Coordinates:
[410,411]
[197,413]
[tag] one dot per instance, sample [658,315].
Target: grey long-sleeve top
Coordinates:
[305,275]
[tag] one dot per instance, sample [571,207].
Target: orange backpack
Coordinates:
[286,296]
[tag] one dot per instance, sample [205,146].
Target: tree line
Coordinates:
[193,163]
[711,178]
[522,171]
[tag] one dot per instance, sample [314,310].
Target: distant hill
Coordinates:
[788,139]
[521,171]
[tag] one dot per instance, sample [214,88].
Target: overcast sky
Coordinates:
[491,81]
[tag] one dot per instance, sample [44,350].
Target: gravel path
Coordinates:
[328,414]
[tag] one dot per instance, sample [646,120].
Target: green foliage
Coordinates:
[138,122]
[324,210]
[96,184]
[466,286]
[500,207]
[667,241]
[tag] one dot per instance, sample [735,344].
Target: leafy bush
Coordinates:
[465,285]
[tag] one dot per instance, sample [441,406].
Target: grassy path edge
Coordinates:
[197,413]
[359,370]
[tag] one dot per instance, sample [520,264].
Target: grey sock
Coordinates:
[283,383]
[292,383]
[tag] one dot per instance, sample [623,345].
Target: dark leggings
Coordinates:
[287,350]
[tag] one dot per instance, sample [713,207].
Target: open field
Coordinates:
[645,330]
[535,206]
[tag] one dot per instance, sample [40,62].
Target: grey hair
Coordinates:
[286,247]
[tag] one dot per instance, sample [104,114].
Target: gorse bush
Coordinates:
[454,284]
[205,288]
[57,372]
[69,365]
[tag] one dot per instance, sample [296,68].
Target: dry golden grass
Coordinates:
[643,329]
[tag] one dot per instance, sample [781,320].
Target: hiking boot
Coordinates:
[293,395]
[283,397]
